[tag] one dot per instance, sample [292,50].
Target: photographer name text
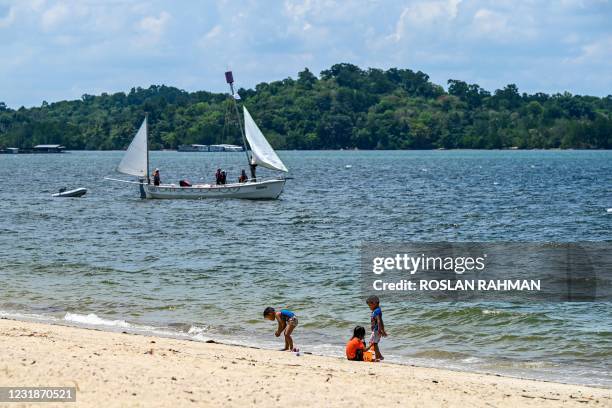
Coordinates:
[435,285]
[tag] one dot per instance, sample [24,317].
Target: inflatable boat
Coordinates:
[77,192]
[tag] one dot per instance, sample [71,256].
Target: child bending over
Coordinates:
[287,321]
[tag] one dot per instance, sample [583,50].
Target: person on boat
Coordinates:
[218,176]
[156,179]
[243,177]
[253,166]
[223,177]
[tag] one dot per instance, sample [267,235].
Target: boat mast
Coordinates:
[147,136]
[229,78]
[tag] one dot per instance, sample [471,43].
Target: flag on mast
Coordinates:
[229,78]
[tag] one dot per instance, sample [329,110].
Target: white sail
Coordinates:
[135,160]
[263,154]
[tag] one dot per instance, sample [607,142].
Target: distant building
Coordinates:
[211,148]
[193,148]
[49,148]
[10,150]
[225,148]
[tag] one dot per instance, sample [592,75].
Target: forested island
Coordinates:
[345,107]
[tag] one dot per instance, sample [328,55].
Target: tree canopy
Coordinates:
[344,107]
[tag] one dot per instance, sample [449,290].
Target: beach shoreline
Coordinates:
[125,369]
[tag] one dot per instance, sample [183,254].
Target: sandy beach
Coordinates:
[119,369]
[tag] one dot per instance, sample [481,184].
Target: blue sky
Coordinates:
[53,50]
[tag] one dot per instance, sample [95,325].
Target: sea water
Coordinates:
[207,269]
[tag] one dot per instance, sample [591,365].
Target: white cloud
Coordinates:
[213,33]
[211,36]
[297,10]
[152,29]
[490,22]
[508,26]
[425,13]
[35,5]
[8,19]
[315,8]
[594,52]
[430,11]
[154,25]
[55,15]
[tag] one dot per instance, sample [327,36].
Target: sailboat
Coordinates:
[135,162]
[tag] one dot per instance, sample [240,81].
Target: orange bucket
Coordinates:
[368,356]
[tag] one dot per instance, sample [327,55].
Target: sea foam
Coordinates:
[93,320]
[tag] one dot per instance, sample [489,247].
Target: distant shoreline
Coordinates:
[344,106]
[347,150]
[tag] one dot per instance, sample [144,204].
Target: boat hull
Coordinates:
[260,190]
[78,192]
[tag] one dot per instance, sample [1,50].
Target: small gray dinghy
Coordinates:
[77,192]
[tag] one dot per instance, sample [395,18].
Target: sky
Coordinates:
[53,50]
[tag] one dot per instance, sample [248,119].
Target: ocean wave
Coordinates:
[108,282]
[164,307]
[176,330]
[199,333]
[93,320]
[496,317]
[468,313]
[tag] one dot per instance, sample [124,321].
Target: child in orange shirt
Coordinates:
[356,346]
